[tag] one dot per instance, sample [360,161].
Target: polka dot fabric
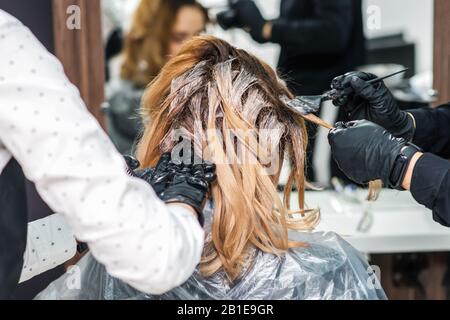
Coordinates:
[45,125]
[50,243]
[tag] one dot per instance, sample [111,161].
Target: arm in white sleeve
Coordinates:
[45,125]
[50,243]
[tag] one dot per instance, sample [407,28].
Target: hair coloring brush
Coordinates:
[305,105]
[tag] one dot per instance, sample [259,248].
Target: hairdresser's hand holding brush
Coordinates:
[178,183]
[373,102]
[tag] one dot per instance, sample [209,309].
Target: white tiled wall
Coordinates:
[415,19]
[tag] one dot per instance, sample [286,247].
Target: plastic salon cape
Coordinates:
[329,268]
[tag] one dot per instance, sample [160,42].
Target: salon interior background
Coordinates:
[419,31]
[414,19]
[405,274]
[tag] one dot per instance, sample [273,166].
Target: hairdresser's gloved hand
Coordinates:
[250,17]
[364,151]
[178,183]
[158,177]
[190,186]
[132,165]
[373,102]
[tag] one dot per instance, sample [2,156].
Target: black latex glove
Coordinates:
[158,177]
[250,17]
[364,151]
[132,165]
[190,186]
[373,102]
[161,176]
[177,182]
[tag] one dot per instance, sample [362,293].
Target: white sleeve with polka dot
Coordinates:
[5,157]
[45,125]
[50,243]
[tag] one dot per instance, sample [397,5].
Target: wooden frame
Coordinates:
[81,51]
[442,50]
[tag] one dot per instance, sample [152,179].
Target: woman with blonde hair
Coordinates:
[159,28]
[220,104]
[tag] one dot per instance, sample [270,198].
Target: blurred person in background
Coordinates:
[319,40]
[159,29]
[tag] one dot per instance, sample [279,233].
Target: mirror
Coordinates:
[399,34]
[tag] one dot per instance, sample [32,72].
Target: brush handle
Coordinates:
[335,94]
[387,77]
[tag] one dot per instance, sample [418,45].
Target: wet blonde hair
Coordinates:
[209,88]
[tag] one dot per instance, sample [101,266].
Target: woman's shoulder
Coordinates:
[335,268]
[324,252]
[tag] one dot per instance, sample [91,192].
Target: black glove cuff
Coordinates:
[189,202]
[187,195]
[401,166]
[407,127]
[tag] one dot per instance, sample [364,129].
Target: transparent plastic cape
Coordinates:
[329,268]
